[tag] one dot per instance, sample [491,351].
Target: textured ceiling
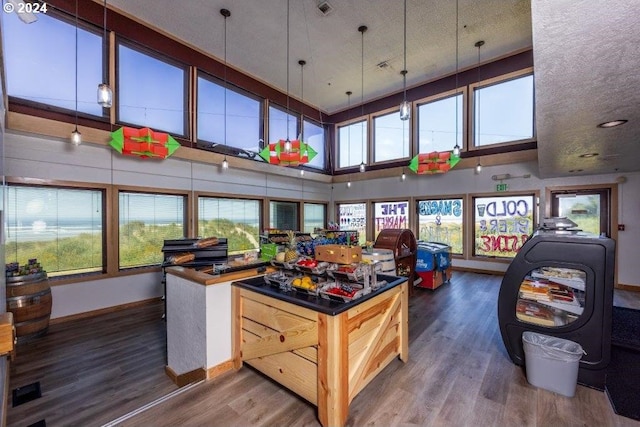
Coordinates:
[587,71]
[586,57]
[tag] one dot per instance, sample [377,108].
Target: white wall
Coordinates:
[465,181]
[31,156]
[53,159]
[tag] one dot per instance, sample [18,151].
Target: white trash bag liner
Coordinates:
[552,363]
[553,347]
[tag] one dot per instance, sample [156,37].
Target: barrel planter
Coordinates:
[29,299]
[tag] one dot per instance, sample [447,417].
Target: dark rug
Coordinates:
[622,385]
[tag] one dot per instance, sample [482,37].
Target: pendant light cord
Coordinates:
[457,66]
[404,69]
[225,80]
[76,82]
[362,30]
[288,1]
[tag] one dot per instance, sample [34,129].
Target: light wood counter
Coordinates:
[322,351]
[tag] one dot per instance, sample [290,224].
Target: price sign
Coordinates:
[502,187]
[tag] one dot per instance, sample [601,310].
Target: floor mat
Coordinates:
[626,328]
[623,387]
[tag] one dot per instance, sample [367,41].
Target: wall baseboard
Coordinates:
[187,378]
[93,313]
[634,288]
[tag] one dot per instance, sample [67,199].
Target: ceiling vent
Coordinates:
[325,8]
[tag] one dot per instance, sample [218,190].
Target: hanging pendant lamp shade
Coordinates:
[405,107]
[105,94]
[76,137]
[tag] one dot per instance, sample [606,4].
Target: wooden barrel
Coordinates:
[385,257]
[29,299]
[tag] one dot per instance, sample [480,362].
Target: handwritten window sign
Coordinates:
[390,215]
[353,216]
[502,224]
[440,220]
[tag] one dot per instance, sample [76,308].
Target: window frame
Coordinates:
[324,213]
[159,56]
[336,144]
[205,195]
[105,190]
[269,221]
[463,218]
[202,74]
[187,223]
[362,237]
[372,214]
[68,18]
[464,92]
[494,81]
[471,215]
[283,109]
[372,139]
[325,147]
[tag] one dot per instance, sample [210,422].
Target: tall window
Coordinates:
[315,216]
[236,219]
[243,115]
[351,150]
[146,221]
[391,137]
[151,91]
[390,215]
[279,121]
[502,224]
[314,136]
[63,228]
[437,124]
[440,220]
[353,216]
[283,215]
[503,112]
[40,62]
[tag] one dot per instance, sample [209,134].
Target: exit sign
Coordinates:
[502,187]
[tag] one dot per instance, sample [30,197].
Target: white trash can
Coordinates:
[552,363]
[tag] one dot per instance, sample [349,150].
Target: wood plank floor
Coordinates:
[96,370]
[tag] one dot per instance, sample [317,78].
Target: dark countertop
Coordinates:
[317,303]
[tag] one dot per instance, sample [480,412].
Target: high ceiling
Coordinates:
[586,57]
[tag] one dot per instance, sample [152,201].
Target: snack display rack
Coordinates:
[329,280]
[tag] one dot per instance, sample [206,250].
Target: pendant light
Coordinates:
[105,94]
[456,147]
[478,44]
[287,143]
[225,13]
[405,107]
[362,30]
[76,136]
[403,177]
[349,137]
[302,63]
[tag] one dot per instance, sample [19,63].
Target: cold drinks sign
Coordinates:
[502,224]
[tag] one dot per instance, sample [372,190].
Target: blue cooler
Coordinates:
[432,259]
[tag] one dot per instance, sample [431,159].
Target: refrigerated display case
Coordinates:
[561,284]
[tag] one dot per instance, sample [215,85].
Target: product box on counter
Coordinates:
[340,254]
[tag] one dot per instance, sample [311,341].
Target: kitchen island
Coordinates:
[324,350]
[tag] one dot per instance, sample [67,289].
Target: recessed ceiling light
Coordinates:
[575,170]
[587,155]
[612,123]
